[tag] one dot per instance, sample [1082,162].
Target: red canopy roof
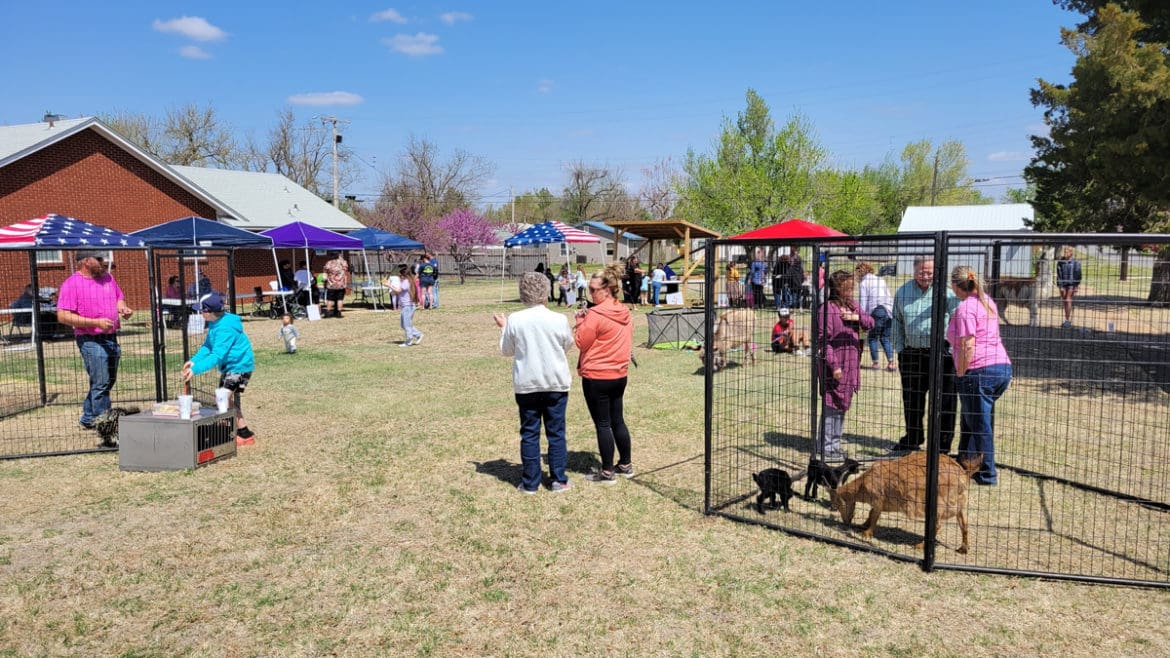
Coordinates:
[793,228]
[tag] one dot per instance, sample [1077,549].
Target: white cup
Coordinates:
[223,398]
[185,407]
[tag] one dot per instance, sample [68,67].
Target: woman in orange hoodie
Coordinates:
[604,333]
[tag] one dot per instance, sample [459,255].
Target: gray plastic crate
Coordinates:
[165,443]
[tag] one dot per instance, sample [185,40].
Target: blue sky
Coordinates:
[535,86]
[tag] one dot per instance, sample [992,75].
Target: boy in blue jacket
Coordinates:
[226,347]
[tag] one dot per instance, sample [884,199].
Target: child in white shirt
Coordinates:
[288,332]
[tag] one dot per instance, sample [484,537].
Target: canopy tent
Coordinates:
[54,231]
[300,235]
[60,232]
[379,240]
[375,238]
[551,232]
[199,232]
[790,229]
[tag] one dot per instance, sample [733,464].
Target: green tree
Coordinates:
[1105,164]
[757,176]
[932,176]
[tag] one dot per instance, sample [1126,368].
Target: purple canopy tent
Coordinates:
[300,235]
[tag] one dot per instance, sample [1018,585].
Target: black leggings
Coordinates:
[604,399]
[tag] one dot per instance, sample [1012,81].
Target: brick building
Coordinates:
[83,169]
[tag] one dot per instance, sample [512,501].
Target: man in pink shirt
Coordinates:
[91,302]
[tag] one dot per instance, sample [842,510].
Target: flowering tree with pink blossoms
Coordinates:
[465,231]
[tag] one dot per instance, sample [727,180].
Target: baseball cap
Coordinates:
[783,312]
[212,301]
[90,253]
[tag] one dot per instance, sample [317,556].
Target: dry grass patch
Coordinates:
[377,515]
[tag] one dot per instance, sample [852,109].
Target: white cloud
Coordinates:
[194,52]
[453,17]
[1008,156]
[325,98]
[416,45]
[391,15]
[544,86]
[192,27]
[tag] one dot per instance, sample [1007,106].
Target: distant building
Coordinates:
[1015,260]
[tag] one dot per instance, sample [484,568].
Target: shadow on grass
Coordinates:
[676,482]
[512,472]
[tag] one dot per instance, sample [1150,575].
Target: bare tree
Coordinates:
[658,188]
[302,152]
[440,186]
[140,129]
[196,136]
[594,193]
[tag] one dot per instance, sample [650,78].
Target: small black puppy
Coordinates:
[820,473]
[106,424]
[773,482]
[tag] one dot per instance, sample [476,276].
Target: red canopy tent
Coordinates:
[790,229]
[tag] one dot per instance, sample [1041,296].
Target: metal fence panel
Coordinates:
[1081,438]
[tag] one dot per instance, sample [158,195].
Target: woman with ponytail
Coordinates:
[604,333]
[982,368]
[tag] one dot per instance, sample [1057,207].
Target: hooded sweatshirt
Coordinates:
[605,337]
[226,347]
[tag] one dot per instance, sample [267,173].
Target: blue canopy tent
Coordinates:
[199,232]
[375,238]
[379,240]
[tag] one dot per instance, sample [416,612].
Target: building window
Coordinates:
[46,257]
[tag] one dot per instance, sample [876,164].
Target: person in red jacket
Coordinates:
[604,333]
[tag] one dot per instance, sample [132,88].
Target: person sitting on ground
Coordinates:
[786,337]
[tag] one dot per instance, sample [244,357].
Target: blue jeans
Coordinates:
[880,333]
[549,407]
[100,354]
[408,322]
[655,288]
[978,391]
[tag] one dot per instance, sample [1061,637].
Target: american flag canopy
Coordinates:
[61,232]
[549,233]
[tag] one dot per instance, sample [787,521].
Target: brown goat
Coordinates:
[899,485]
[733,328]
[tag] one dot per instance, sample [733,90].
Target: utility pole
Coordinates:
[934,179]
[336,141]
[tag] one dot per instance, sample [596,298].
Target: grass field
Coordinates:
[377,515]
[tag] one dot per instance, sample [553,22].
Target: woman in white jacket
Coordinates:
[877,301]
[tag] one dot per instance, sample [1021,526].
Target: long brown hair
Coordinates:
[966,279]
[407,274]
[836,280]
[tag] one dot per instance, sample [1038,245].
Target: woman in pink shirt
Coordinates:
[982,368]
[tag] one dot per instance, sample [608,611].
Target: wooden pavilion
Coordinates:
[667,229]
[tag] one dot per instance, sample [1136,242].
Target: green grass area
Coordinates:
[377,515]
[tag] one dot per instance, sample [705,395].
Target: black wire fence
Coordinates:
[1082,436]
[43,381]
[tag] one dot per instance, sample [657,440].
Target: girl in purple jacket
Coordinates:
[841,364]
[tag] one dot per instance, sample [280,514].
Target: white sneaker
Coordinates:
[417,339]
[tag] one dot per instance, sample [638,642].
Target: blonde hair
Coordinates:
[966,279]
[611,277]
[864,268]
